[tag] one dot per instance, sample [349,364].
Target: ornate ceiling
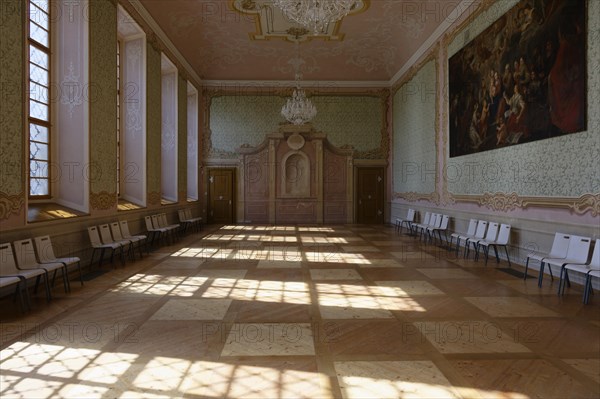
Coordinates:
[236,40]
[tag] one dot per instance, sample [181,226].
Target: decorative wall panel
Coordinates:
[103,114]
[414,137]
[12,188]
[335,187]
[356,121]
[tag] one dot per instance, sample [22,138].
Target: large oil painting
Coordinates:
[523,79]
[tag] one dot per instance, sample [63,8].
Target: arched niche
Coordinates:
[295,175]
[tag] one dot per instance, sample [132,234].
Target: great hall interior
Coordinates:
[299,198]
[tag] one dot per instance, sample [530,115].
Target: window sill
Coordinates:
[125,205]
[43,212]
[164,201]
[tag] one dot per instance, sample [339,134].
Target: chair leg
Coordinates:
[47,283]
[586,288]
[526,267]
[80,273]
[541,275]
[496,253]
[507,257]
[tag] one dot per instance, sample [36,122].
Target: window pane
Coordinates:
[38,187]
[38,57]
[39,14]
[39,93]
[38,111]
[43,4]
[38,169]
[38,34]
[38,75]
[38,133]
[38,151]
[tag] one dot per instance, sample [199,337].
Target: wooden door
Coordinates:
[221,196]
[370,195]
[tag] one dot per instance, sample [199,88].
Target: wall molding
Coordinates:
[11,204]
[103,200]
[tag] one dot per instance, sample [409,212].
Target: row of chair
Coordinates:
[158,228]
[482,233]
[117,238]
[478,235]
[432,223]
[27,262]
[569,252]
[187,220]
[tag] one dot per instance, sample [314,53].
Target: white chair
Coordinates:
[434,222]
[185,217]
[45,252]
[98,245]
[154,232]
[460,236]
[408,220]
[115,230]
[160,221]
[416,226]
[588,285]
[578,251]
[501,241]
[443,227]
[592,267]
[8,268]
[26,260]
[139,238]
[7,281]
[560,245]
[490,236]
[479,235]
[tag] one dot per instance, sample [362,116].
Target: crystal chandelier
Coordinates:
[316,15]
[298,109]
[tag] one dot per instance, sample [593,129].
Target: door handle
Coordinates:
[229,202]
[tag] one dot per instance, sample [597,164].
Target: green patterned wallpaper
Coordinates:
[347,120]
[11,99]
[103,113]
[414,150]
[563,166]
[182,138]
[153,122]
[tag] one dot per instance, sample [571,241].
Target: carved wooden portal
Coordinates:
[296,176]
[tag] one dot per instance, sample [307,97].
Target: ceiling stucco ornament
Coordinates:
[317,15]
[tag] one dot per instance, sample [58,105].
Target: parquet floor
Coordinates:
[303,312]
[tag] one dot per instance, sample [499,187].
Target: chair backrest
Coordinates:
[105,234]
[148,221]
[182,215]
[24,253]
[155,222]
[125,228]
[410,215]
[579,249]
[7,260]
[445,221]
[560,246]
[427,218]
[162,219]
[45,252]
[433,220]
[472,227]
[481,228]
[503,234]
[595,262]
[492,232]
[116,231]
[94,236]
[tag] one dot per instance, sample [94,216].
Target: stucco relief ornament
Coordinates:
[501,201]
[295,141]
[72,92]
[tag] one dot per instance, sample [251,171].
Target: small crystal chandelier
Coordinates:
[316,15]
[298,109]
